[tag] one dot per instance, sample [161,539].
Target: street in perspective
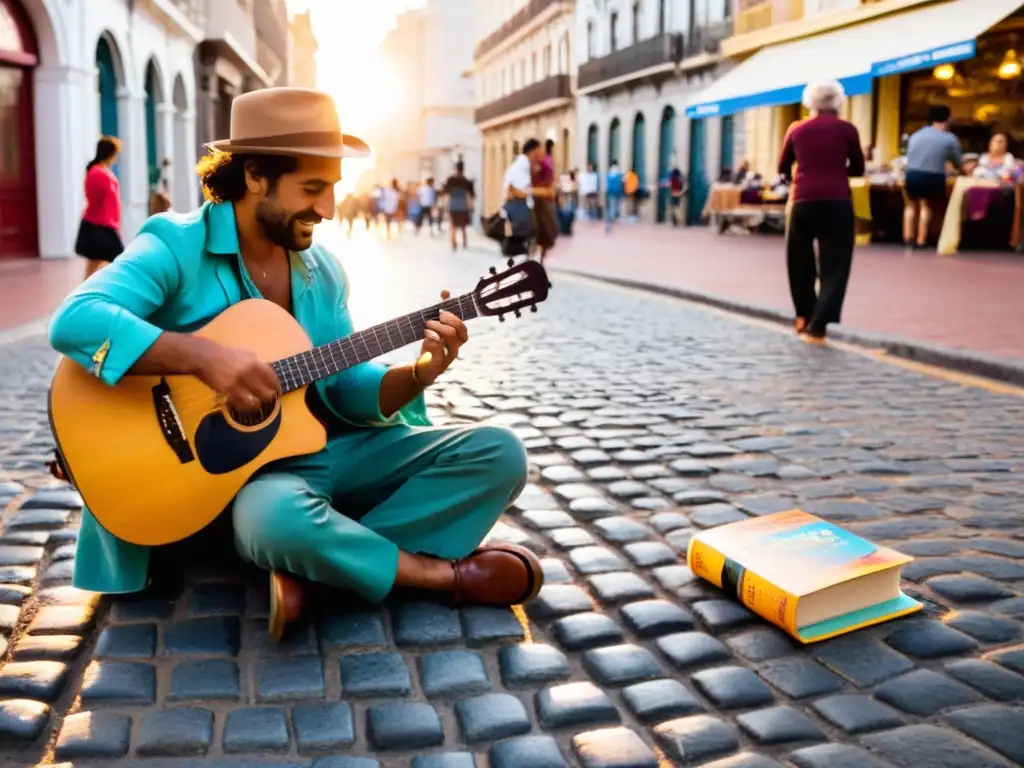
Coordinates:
[742,293]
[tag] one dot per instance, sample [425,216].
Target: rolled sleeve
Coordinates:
[101,325]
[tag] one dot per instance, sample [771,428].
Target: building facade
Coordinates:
[71,70]
[244,47]
[894,59]
[429,54]
[640,61]
[302,51]
[525,84]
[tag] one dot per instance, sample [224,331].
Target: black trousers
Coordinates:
[830,223]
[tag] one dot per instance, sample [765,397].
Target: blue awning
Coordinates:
[917,39]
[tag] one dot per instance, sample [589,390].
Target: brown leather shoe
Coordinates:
[285,603]
[497,574]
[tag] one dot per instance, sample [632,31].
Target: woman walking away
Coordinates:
[99,234]
[924,187]
[545,211]
[827,152]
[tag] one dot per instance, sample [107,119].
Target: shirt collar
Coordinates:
[222,238]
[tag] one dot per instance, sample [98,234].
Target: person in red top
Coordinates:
[99,234]
[827,152]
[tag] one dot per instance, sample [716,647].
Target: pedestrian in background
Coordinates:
[924,185]
[427,201]
[827,152]
[390,198]
[515,210]
[589,188]
[614,188]
[545,212]
[458,193]
[99,233]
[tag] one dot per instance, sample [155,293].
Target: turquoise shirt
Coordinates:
[180,272]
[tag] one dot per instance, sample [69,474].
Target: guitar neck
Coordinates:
[326,360]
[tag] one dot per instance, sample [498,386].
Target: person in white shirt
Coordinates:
[516,186]
[589,184]
[389,199]
[428,199]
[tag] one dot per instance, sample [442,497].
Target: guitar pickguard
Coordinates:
[222,448]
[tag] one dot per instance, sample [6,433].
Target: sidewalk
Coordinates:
[968,303]
[30,289]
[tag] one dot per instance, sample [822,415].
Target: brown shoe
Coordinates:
[285,603]
[497,574]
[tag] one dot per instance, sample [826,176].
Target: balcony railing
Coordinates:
[520,20]
[708,39]
[192,9]
[554,87]
[652,52]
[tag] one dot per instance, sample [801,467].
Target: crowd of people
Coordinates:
[425,203]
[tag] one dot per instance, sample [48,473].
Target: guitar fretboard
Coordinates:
[328,359]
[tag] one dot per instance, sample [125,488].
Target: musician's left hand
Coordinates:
[441,343]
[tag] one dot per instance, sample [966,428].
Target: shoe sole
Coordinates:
[277,622]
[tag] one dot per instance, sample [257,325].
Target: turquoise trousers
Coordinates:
[341,516]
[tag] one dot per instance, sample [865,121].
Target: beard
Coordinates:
[281,228]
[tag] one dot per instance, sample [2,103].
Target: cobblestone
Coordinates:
[657,442]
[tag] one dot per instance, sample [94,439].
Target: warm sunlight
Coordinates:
[351,69]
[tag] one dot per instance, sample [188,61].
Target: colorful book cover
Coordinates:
[769,563]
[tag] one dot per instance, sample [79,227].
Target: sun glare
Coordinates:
[351,69]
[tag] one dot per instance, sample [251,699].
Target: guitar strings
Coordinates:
[207,402]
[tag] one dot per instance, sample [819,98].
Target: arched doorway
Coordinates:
[154,134]
[19,229]
[699,185]
[109,80]
[614,141]
[639,159]
[666,155]
[566,151]
[592,158]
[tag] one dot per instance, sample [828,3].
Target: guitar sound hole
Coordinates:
[252,418]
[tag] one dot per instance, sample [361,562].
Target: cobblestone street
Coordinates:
[646,419]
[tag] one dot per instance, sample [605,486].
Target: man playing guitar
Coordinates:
[391,501]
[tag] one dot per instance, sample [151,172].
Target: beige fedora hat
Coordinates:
[288,121]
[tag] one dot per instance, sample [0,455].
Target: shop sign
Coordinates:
[925,59]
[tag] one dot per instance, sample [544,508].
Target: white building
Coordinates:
[71,70]
[640,63]
[523,66]
[429,54]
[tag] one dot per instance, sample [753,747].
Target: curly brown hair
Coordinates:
[223,173]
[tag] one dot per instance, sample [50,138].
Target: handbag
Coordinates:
[494,227]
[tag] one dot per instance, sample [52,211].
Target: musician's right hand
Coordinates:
[246,382]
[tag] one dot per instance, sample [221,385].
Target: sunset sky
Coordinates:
[349,66]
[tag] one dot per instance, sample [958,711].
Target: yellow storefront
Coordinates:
[894,59]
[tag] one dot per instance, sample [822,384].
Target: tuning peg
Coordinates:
[501,318]
[533,307]
[493,270]
[518,313]
[511,262]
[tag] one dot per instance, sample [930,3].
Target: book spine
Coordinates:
[743,585]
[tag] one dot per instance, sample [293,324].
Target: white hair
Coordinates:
[824,96]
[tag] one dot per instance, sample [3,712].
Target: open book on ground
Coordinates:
[810,577]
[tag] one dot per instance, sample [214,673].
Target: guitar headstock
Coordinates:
[521,285]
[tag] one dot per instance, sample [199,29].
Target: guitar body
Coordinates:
[157,459]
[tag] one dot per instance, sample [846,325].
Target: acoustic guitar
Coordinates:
[158,458]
